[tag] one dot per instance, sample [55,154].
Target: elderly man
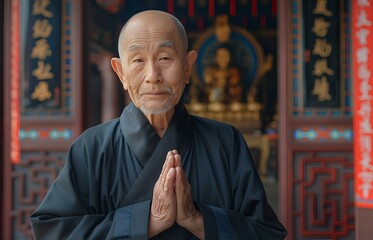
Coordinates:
[157,172]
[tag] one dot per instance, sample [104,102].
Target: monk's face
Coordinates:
[154,65]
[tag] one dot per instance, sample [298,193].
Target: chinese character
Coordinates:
[40,7]
[43,71]
[42,29]
[41,50]
[362,55]
[321,67]
[366,186]
[366,160]
[321,89]
[363,19]
[365,126]
[322,48]
[320,27]
[321,8]
[41,92]
[365,109]
[364,90]
[363,72]
[362,35]
[363,3]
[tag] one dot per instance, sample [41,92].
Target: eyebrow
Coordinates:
[134,47]
[166,43]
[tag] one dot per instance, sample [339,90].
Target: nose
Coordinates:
[153,74]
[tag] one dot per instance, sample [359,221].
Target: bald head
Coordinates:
[151,17]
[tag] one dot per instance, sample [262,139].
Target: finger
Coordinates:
[178,160]
[181,184]
[170,178]
[175,151]
[184,200]
[170,163]
[163,206]
[165,162]
[181,192]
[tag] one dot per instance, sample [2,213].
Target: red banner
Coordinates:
[362,62]
[15,152]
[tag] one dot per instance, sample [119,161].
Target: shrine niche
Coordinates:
[227,72]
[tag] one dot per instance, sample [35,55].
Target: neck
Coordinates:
[160,122]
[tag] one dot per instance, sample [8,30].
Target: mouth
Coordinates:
[156,93]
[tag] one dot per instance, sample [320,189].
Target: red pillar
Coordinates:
[362,62]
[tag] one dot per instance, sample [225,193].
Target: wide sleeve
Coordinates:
[251,216]
[69,211]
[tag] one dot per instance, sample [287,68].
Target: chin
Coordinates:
[156,110]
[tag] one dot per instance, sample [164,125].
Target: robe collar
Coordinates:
[143,139]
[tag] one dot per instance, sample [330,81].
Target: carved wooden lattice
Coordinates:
[31,180]
[323,197]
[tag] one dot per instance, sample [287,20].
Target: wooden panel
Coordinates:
[315,144]
[31,180]
[323,196]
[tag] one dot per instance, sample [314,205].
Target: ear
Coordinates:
[117,67]
[191,58]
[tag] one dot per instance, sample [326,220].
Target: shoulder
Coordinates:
[214,128]
[99,133]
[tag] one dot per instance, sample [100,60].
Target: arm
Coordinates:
[248,216]
[69,210]
[240,210]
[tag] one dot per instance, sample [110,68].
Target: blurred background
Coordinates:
[293,76]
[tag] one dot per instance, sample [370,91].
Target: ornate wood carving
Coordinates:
[323,196]
[31,180]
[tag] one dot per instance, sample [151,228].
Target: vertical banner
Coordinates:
[362,62]
[15,149]
[43,56]
[322,58]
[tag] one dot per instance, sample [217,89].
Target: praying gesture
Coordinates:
[172,200]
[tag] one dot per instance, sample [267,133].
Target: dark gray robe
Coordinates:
[104,190]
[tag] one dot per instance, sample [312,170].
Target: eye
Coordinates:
[164,58]
[137,60]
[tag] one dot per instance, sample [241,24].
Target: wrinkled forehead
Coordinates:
[155,25]
[157,32]
[150,28]
[150,21]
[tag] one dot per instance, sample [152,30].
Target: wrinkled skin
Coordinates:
[172,200]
